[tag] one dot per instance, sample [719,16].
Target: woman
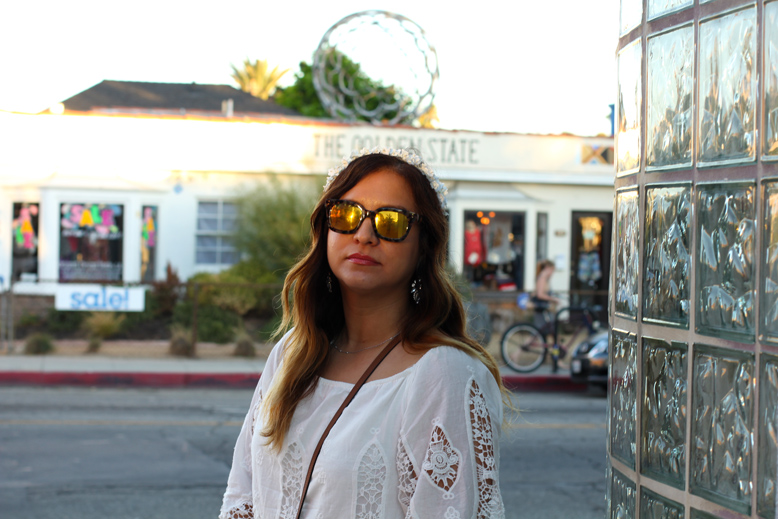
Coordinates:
[421,437]
[541,297]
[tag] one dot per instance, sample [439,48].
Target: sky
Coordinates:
[541,67]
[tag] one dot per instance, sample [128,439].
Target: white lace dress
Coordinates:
[422,443]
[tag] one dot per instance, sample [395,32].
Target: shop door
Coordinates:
[590,259]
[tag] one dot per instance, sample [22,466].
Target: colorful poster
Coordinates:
[91,242]
[148,244]
[25,241]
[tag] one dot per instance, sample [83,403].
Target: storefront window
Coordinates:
[25,242]
[494,249]
[590,254]
[90,245]
[148,244]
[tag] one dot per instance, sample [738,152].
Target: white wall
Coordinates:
[173,162]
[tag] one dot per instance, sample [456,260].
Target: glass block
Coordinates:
[608,478]
[726,288]
[727,80]
[629,120]
[769,306]
[654,506]
[663,442]
[771,79]
[667,250]
[657,8]
[622,389]
[627,261]
[622,492]
[631,15]
[697,514]
[669,97]
[722,426]
[768,432]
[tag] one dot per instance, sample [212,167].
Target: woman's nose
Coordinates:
[365,232]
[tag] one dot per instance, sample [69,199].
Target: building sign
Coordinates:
[148,244]
[25,242]
[438,150]
[99,298]
[90,244]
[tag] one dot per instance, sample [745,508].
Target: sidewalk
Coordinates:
[213,372]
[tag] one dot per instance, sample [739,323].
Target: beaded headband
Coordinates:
[405,155]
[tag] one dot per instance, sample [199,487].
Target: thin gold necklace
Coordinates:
[363,349]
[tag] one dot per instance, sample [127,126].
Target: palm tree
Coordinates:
[429,119]
[255,78]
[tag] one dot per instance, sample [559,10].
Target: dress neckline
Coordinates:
[401,374]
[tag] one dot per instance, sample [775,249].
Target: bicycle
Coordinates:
[524,347]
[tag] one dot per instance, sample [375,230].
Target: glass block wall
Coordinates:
[693,391]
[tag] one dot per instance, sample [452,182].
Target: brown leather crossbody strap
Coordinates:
[369,371]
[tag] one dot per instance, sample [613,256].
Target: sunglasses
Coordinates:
[389,223]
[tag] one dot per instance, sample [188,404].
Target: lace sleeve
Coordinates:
[448,455]
[238,500]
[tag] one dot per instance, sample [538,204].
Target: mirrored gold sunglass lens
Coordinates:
[391,224]
[345,217]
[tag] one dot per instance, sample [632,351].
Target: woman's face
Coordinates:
[364,263]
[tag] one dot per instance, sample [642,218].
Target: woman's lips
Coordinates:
[359,259]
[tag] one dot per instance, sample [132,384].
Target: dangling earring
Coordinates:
[329,283]
[416,290]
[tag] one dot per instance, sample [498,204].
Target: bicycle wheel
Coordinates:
[523,348]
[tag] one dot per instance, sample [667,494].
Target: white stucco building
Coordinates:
[115,197]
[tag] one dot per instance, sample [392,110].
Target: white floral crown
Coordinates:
[406,155]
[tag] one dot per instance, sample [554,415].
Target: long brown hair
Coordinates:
[317,315]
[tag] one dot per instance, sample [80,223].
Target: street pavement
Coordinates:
[147,453]
[228,372]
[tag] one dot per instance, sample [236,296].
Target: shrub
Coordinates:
[38,344]
[166,293]
[244,344]
[134,319]
[214,324]
[101,325]
[63,323]
[181,344]
[28,320]
[273,225]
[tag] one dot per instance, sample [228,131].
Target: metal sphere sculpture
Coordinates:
[376,66]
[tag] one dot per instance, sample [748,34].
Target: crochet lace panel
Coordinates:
[371,480]
[244,511]
[406,475]
[441,464]
[291,480]
[489,502]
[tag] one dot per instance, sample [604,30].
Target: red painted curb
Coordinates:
[228,380]
[542,383]
[135,379]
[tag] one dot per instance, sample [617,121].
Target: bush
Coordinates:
[244,344]
[214,324]
[165,294]
[181,344]
[38,344]
[28,320]
[273,225]
[101,325]
[63,323]
[134,319]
